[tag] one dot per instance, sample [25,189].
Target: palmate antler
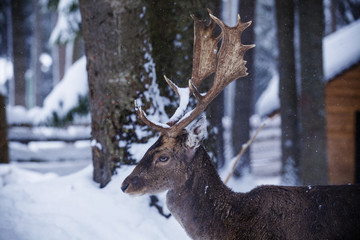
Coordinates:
[227,63]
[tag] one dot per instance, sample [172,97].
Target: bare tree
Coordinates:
[4,150]
[243,106]
[313,163]
[18,38]
[35,56]
[288,91]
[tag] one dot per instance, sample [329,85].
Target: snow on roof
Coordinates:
[341,50]
[269,100]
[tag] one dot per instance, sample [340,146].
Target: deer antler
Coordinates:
[227,63]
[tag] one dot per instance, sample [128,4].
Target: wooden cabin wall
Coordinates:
[342,103]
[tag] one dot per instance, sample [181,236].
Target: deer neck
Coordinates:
[203,203]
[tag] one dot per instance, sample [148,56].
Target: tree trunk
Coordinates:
[19,54]
[115,43]
[4,150]
[244,91]
[313,163]
[288,93]
[37,95]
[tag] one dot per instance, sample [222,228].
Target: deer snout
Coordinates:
[124,186]
[132,185]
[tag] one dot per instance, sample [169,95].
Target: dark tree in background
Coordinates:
[243,105]
[19,53]
[287,91]
[313,163]
[35,55]
[115,43]
[4,149]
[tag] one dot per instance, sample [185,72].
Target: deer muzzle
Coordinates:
[133,185]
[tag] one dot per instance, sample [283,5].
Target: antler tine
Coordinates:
[163,128]
[231,63]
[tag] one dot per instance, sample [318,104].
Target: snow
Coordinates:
[269,100]
[67,24]
[66,93]
[96,144]
[184,96]
[6,73]
[46,62]
[61,100]
[37,206]
[47,206]
[341,50]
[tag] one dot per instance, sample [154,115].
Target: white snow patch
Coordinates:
[6,73]
[41,207]
[96,144]
[341,50]
[184,95]
[269,100]
[67,24]
[61,99]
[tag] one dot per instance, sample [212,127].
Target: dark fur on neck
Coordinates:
[208,209]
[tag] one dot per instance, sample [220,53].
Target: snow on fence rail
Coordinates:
[28,134]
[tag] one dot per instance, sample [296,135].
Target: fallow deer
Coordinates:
[204,206]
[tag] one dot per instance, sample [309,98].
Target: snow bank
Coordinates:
[66,93]
[61,100]
[73,207]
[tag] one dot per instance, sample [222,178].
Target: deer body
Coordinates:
[196,196]
[207,209]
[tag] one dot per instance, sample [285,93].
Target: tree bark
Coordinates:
[243,105]
[37,96]
[313,163]
[19,54]
[288,92]
[115,43]
[4,149]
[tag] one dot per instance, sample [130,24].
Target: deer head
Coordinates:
[166,164]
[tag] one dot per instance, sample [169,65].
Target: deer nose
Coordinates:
[124,186]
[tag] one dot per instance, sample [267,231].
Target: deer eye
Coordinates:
[163,159]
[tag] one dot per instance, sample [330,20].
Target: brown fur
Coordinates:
[208,209]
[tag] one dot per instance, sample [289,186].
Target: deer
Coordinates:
[196,196]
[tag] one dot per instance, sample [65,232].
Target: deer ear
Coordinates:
[197,133]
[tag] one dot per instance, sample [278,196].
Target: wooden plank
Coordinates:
[343,100]
[341,161]
[344,91]
[340,109]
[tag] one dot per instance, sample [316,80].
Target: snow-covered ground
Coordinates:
[36,206]
[47,206]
